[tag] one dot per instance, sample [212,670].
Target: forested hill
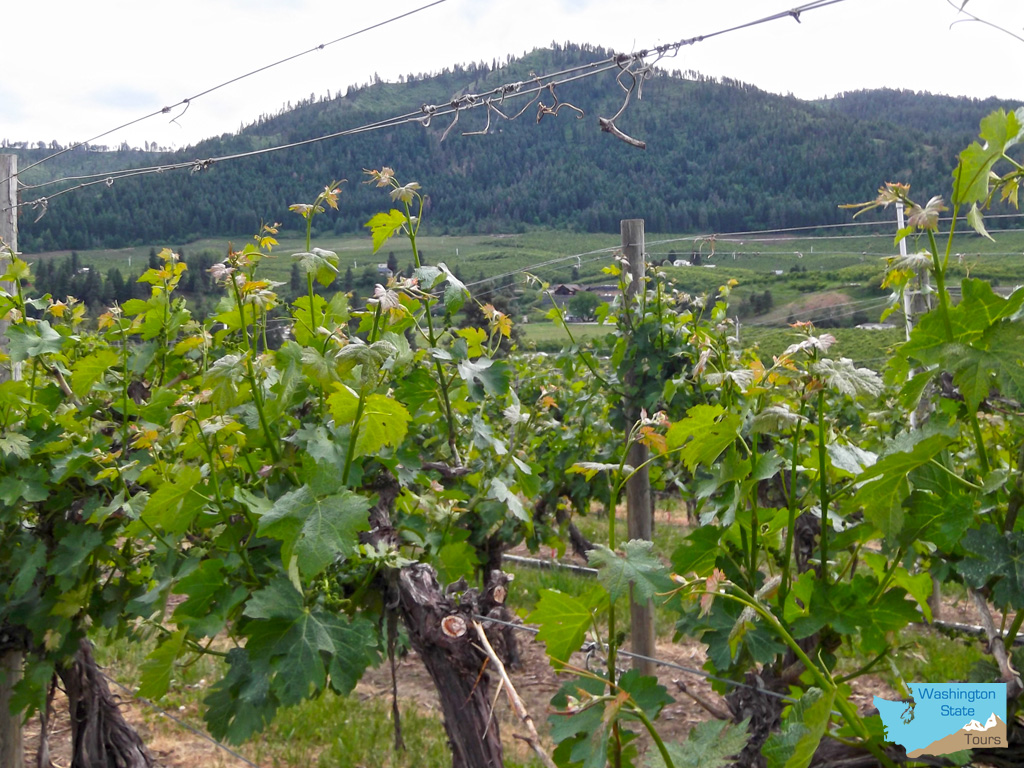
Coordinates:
[721,156]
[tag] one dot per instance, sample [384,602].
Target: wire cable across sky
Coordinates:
[186,102]
[493,100]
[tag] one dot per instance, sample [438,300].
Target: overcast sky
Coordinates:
[77,68]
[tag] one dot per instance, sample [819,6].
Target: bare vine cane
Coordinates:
[532,738]
[608,123]
[543,109]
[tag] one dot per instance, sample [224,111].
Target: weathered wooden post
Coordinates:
[11,658]
[917,302]
[640,519]
[8,233]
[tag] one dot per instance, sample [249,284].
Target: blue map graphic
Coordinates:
[947,717]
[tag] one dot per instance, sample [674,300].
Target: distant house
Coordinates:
[563,292]
[383,270]
[566,289]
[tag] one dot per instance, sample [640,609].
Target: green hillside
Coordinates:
[720,157]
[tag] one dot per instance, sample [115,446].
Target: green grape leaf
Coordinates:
[428,276]
[316,530]
[455,292]
[25,562]
[993,554]
[979,308]
[638,567]
[72,549]
[158,668]
[323,265]
[223,377]
[278,600]
[175,504]
[885,485]
[647,693]
[977,222]
[940,520]
[241,703]
[775,418]
[455,559]
[210,598]
[918,586]
[28,484]
[996,360]
[802,731]
[705,432]
[90,369]
[383,227]
[305,326]
[847,379]
[582,736]
[891,613]
[999,131]
[498,491]
[343,405]
[564,620]
[484,375]
[699,551]
[711,744]
[32,340]
[850,459]
[318,366]
[385,421]
[15,444]
[355,649]
[475,340]
[295,640]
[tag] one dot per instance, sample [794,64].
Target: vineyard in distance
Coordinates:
[290,487]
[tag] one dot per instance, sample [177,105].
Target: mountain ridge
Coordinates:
[721,156]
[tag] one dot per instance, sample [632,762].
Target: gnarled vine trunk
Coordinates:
[439,624]
[439,631]
[10,723]
[100,736]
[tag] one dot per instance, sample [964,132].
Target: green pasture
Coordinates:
[743,258]
[802,274]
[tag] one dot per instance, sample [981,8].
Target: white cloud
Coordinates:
[82,72]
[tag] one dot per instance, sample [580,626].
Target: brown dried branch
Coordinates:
[715,711]
[609,127]
[62,383]
[447,472]
[996,646]
[517,703]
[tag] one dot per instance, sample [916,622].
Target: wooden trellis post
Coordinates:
[638,489]
[11,659]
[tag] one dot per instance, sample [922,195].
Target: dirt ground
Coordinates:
[174,746]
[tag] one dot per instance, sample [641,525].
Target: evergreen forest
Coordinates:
[721,156]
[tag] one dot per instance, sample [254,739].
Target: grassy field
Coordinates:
[486,255]
[547,334]
[810,277]
[868,348]
[757,262]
